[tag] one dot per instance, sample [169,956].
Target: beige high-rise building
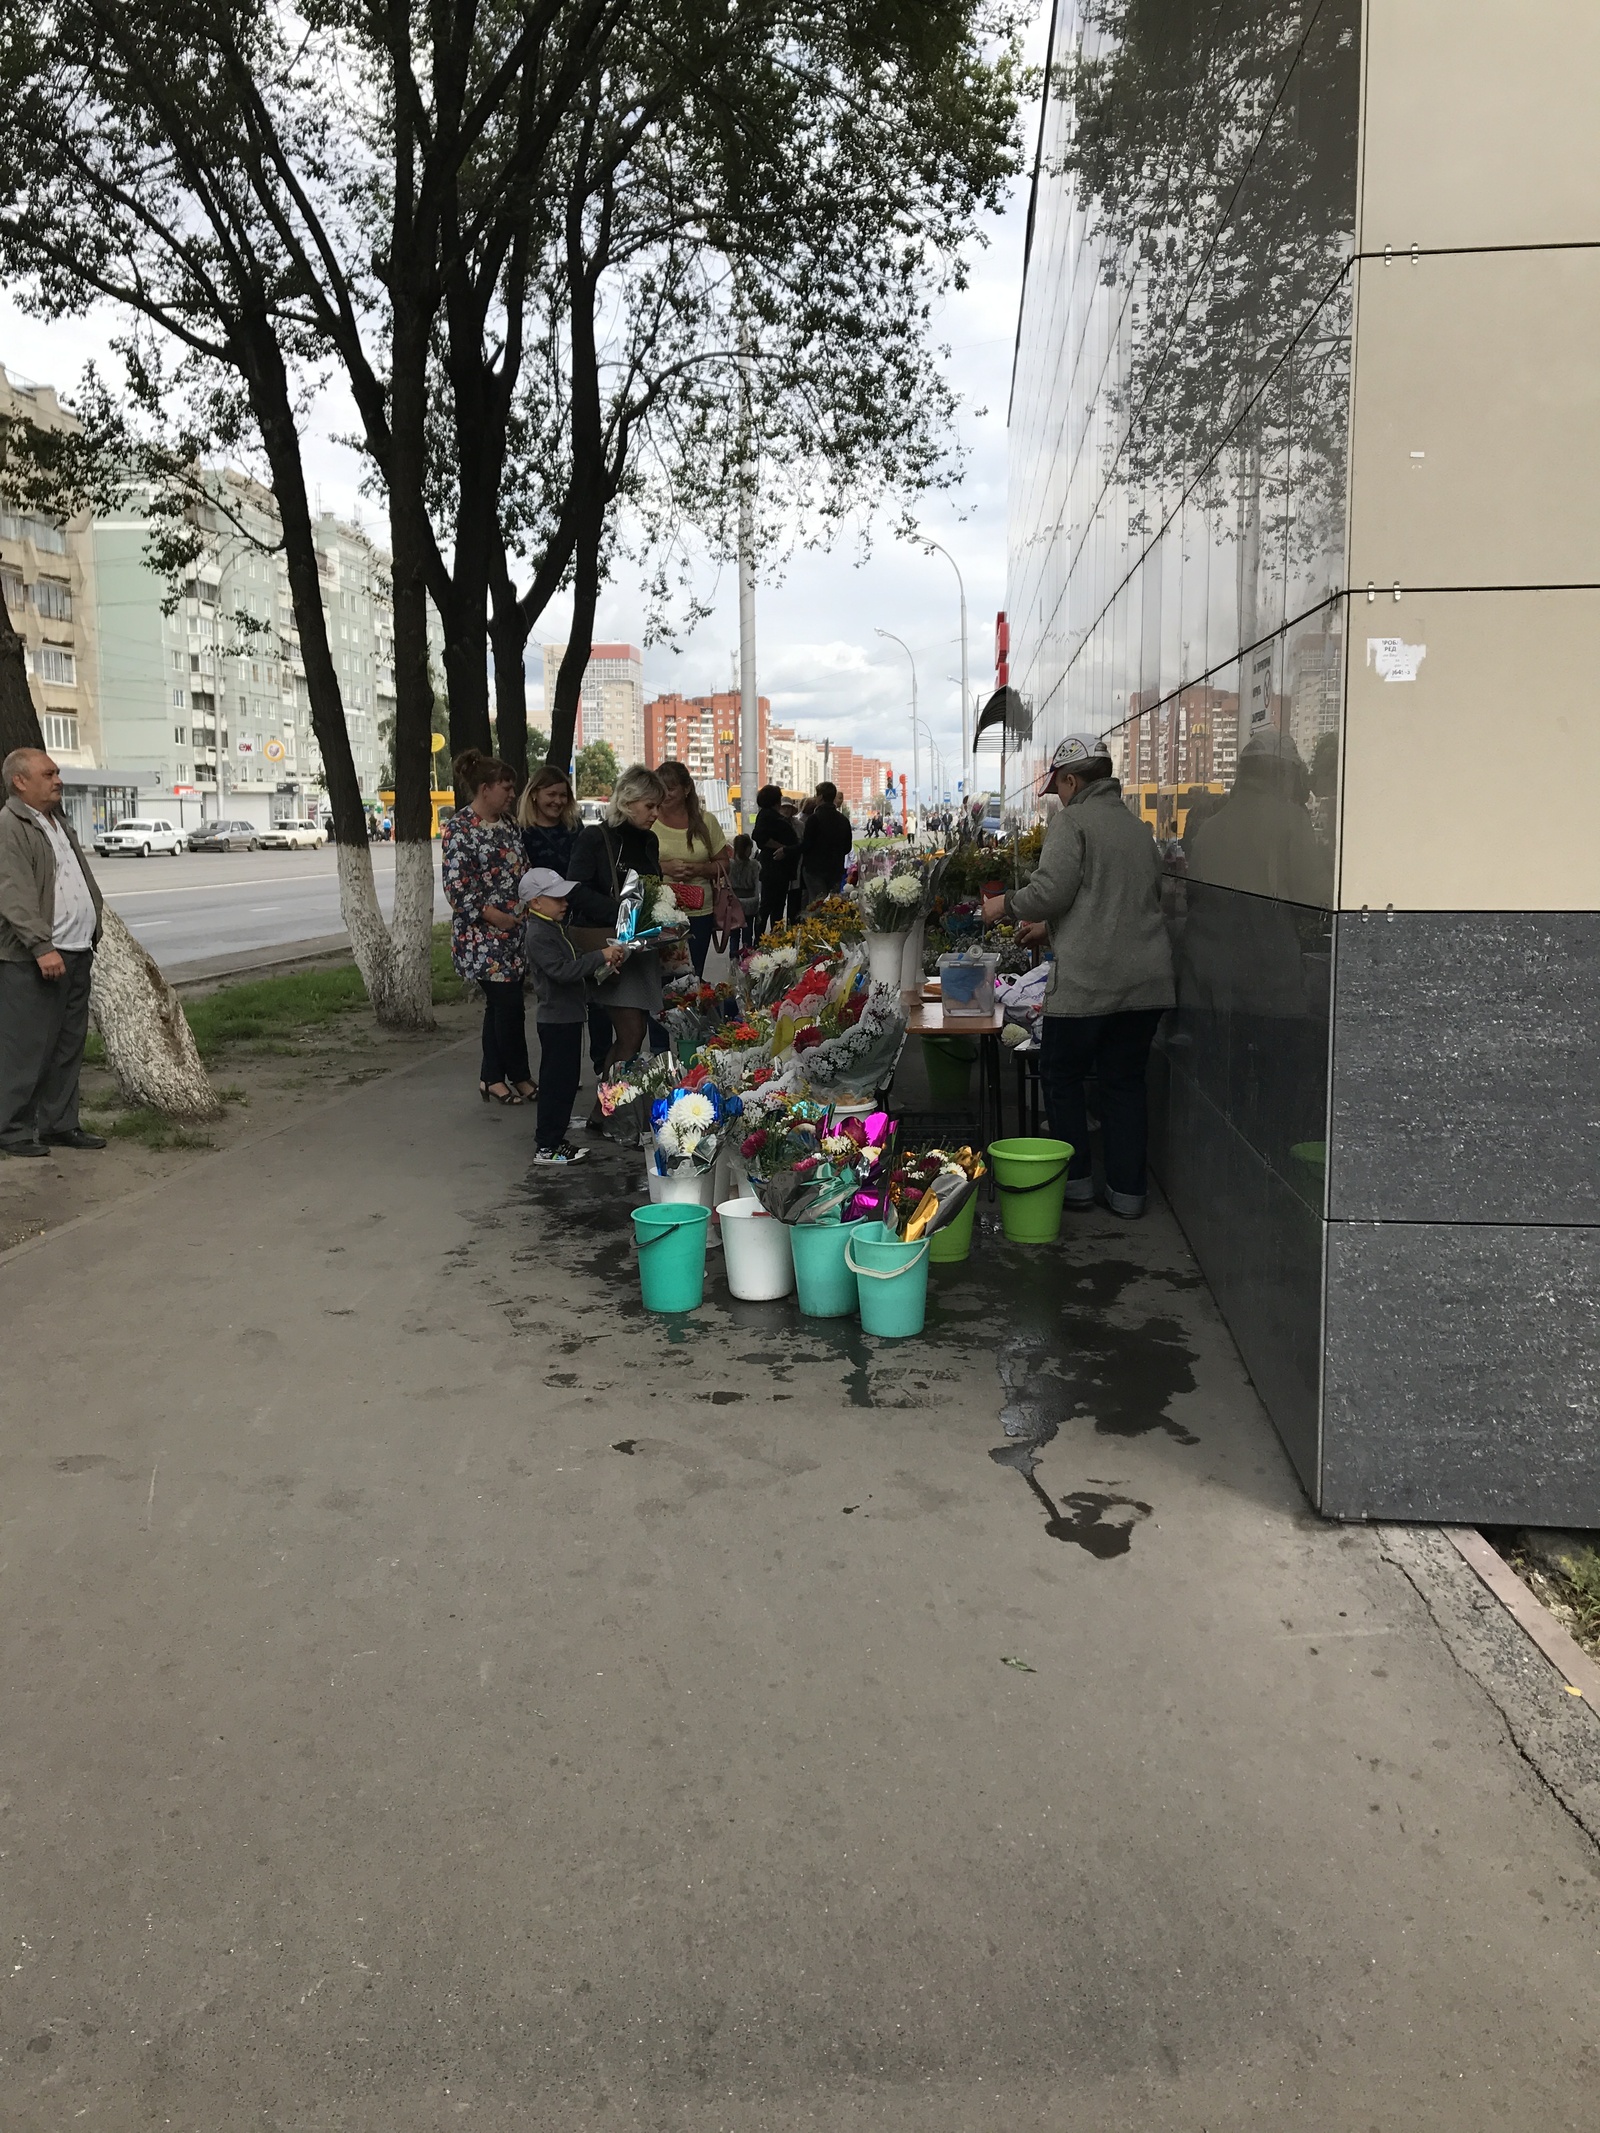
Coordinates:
[48,583]
[1304,438]
[611,700]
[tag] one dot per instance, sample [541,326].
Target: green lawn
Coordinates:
[269,1011]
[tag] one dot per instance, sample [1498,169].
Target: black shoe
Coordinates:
[23,1148]
[77,1138]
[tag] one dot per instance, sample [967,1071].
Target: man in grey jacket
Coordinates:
[49,924]
[1097,892]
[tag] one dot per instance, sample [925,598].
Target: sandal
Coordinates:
[527,1090]
[490,1093]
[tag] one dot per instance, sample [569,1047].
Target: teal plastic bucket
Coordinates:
[892,1281]
[672,1255]
[823,1284]
[948,1064]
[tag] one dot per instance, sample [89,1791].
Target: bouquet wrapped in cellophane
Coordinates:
[928,1187]
[689,1125]
[647,911]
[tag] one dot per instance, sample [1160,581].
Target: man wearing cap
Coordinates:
[1097,893]
[560,975]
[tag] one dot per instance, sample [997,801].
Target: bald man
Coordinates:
[49,924]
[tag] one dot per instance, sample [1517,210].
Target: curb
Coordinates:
[1579,1673]
[210,972]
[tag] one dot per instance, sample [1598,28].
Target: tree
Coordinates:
[149,1045]
[597,771]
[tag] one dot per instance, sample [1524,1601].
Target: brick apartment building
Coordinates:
[703,732]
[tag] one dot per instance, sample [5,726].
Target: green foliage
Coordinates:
[596,770]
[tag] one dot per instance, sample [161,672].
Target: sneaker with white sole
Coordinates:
[566,1153]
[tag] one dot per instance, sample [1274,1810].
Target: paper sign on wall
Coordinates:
[1394,659]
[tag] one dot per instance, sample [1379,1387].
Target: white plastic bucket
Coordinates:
[756,1252]
[693,1190]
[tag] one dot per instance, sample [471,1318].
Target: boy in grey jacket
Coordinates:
[560,975]
[1097,889]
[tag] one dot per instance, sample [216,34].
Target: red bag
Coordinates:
[689,895]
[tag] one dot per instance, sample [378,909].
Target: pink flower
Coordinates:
[755,1143]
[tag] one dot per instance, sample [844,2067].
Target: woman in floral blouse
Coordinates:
[483,863]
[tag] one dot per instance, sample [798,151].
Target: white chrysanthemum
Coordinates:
[759,966]
[665,908]
[837,1147]
[904,889]
[666,1139]
[694,1111]
[785,958]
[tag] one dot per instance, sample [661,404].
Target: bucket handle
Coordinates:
[658,1236]
[1038,1184]
[887,1273]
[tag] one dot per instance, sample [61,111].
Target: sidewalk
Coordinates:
[436,1694]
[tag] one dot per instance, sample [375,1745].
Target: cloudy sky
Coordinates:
[818,657]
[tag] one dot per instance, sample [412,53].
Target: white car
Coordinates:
[142,837]
[290,837]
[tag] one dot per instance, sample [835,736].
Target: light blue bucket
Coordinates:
[891,1279]
[824,1286]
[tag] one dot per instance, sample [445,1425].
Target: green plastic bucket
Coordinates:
[824,1286]
[672,1255]
[948,1061]
[1032,1177]
[954,1241]
[893,1281]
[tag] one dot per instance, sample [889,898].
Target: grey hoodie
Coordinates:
[1098,886]
[559,970]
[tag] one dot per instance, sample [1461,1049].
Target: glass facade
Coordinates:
[1177,579]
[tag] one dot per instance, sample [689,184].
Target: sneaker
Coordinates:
[1129,1205]
[566,1153]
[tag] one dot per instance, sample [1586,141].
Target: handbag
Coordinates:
[728,915]
[689,895]
[587,938]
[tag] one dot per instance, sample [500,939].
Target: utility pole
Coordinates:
[749,701]
[916,759]
[966,777]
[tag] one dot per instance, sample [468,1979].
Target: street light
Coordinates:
[916,760]
[936,763]
[961,584]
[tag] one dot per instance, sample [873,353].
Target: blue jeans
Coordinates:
[1113,1051]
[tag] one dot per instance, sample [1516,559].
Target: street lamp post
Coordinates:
[916,760]
[961,586]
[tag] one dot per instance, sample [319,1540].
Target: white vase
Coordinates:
[911,955]
[886,957]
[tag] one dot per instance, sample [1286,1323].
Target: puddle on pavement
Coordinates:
[1070,1327]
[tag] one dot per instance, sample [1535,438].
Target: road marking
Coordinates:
[150,924]
[252,909]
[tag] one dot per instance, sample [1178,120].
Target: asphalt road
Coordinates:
[438,1695]
[211,904]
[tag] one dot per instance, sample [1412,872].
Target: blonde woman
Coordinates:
[601,857]
[694,855]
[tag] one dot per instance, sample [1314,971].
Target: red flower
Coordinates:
[755,1143]
[808,1039]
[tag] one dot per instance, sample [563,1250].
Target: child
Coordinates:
[744,879]
[559,975]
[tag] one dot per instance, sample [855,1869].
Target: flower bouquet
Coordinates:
[930,1189]
[635,1085]
[857,1057]
[823,929]
[695,1011]
[766,973]
[800,1169]
[647,911]
[689,1124]
[892,902]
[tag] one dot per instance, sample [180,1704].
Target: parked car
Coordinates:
[224,837]
[290,837]
[135,834]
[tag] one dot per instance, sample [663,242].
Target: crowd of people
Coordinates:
[533,893]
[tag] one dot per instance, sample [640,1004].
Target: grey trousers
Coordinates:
[43,1025]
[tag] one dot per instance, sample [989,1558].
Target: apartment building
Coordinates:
[703,732]
[213,695]
[610,701]
[48,584]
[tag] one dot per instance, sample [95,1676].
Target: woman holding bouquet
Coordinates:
[601,858]
[694,856]
[482,864]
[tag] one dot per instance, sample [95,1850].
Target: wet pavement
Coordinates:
[437,1693]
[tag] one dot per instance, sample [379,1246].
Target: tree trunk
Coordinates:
[508,633]
[149,1045]
[19,722]
[395,964]
[139,1016]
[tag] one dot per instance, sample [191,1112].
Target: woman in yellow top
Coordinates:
[694,856]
